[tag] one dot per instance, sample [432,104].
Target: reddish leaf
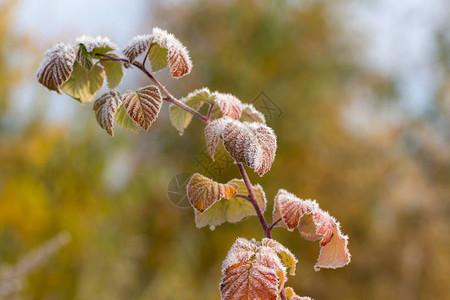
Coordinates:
[291,209]
[143,106]
[105,109]
[226,105]
[249,280]
[334,252]
[313,223]
[251,271]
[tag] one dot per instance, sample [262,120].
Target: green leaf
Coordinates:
[180,118]
[84,58]
[125,121]
[157,56]
[83,84]
[231,210]
[114,71]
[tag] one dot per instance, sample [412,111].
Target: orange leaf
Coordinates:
[203,192]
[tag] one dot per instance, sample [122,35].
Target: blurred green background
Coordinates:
[358,93]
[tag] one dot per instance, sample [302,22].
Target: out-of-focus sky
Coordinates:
[398,34]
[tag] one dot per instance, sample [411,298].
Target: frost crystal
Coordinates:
[96,42]
[57,66]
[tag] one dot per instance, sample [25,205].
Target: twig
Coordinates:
[169,98]
[243,196]
[208,115]
[273,224]
[252,199]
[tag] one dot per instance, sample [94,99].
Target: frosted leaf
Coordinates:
[226,105]
[213,132]
[125,121]
[269,258]
[288,258]
[267,140]
[83,83]
[179,61]
[313,223]
[105,109]
[251,280]
[251,271]
[163,48]
[99,44]
[113,70]
[180,118]
[291,209]
[250,114]
[290,294]
[57,66]
[144,105]
[334,245]
[307,228]
[137,46]
[202,192]
[253,144]
[233,210]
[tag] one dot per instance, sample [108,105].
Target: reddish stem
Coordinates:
[283,294]
[252,199]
